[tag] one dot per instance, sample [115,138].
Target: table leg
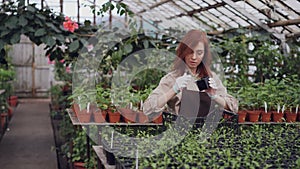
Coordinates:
[88,150]
[99,165]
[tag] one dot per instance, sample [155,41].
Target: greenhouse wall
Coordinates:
[32,69]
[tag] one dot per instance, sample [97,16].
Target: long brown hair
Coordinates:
[186,46]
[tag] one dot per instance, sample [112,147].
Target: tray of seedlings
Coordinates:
[255,146]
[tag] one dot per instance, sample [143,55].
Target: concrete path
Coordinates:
[29,143]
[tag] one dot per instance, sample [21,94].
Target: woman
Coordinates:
[192,62]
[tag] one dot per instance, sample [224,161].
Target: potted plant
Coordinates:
[244,103]
[106,103]
[82,99]
[3,116]
[277,116]
[253,113]
[99,115]
[79,149]
[291,113]
[266,115]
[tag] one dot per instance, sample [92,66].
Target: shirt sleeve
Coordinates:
[151,103]
[231,102]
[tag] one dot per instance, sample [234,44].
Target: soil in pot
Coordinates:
[242,116]
[266,117]
[253,115]
[277,117]
[290,116]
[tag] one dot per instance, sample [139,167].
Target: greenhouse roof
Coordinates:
[279,17]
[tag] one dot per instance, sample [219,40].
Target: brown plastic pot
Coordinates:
[142,118]
[84,117]
[100,116]
[75,108]
[3,119]
[277,117]
[253,115]
[128,115]
[266,117]
[290,116]
[13,101]
[158,119]
[114,117]
[242,116]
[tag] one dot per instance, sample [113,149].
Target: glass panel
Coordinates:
[213,18]
[210,2]
[192,4]
[215,12]
[183,5]
[235,12]
[294,4]
[70,9]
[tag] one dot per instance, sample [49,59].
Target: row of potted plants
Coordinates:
[270,116]
[7,100]
[274,100]
[98,106]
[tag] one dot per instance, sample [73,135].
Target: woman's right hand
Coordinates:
[181,82]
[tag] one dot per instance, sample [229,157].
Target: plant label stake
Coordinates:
[137,159]
[88,107]
[283,108]
[297,108]
[278,108]
[112,139]
[79,103]
[141,105]
[266,106]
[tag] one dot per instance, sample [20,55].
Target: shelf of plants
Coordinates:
[257,146]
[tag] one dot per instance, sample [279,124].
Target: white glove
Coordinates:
[181,82]
[212,83]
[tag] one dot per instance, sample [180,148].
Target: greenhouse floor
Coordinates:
[28,142]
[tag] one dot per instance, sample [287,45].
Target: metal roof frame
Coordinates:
[281,18]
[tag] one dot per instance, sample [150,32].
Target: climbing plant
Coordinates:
[253,56]
[43,26]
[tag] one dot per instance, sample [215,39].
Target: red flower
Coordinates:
[70,25]
[68,69]
[49,61]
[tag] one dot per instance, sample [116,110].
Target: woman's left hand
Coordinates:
[212,83]
[212,87]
